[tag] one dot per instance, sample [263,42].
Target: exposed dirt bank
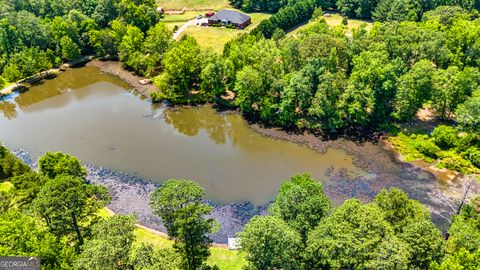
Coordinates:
[115,68]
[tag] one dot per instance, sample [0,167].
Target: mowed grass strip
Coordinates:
[193,4]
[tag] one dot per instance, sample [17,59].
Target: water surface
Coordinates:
[97,118]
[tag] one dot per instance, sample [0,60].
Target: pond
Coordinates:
[97,118]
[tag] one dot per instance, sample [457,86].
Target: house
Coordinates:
[230,17]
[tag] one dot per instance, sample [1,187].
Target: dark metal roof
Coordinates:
[232,16]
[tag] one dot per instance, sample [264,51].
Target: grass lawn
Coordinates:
[5,186]
[335,19]
[221,256]
[179,19]
[196,4]
[217,37]
[213,37]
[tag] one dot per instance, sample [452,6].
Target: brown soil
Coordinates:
[116,68]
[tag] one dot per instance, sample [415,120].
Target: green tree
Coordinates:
[302,203]
[269,243]
[371,88]
[70,50]
[68,205]
[27,186]
[392,253]
[453,87]
[468,114]
[249,89]
[414,89]
[349,239]
[425,243]
[22,235]
[105,12]
[12,73]
[109,249]
[131,46]
[54,164]
[212,76]
[182,68]
[399,210]
[144,257]
[459,260]
[325,103]
[445,136]
[10,165]
[464,233]
[180,205]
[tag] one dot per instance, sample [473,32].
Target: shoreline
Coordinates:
[116,69]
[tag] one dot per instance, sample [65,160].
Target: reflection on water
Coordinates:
[92,116]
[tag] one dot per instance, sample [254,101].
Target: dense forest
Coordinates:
[53,213]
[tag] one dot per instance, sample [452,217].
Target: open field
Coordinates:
[217,37]
[179,19]
[335,19]
[193,4]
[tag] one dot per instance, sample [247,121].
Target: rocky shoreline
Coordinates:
[131,195]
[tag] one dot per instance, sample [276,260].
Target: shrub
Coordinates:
[445,137]
[456,163]
[473,155]
[427,148]
[466,141]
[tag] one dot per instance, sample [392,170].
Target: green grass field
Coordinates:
[193,4]
[217,37]
[335,19]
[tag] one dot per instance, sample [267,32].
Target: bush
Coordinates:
[427,148]
[456,163]
[445,137]
[465,142]
[473,155]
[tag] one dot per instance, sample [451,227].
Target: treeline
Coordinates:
[304,231]
[36,35]
[54,214]
[323,81]
[378,10]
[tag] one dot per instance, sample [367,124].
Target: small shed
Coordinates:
[234,243]
[230,17]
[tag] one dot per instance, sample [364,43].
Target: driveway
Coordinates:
[187,24]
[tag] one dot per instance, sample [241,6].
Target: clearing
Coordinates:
[193,4]
[335,19]
[217,37]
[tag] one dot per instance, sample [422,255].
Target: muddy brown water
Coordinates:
[97,118]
